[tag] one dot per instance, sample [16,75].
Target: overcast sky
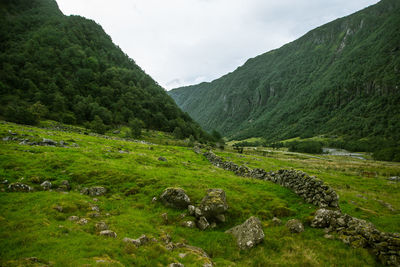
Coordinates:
[183,42]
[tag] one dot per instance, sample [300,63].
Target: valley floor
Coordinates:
[38,224]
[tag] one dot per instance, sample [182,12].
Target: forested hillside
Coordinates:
[68,69]
[341,79]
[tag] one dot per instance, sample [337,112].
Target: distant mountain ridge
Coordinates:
[342,78]
[68,69]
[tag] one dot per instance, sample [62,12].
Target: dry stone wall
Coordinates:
[351,230]
[311,189]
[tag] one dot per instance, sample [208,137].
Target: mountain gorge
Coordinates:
[66,68]
[341,79]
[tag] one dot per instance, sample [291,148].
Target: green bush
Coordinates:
[309,146]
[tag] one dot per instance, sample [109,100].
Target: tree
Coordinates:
[97,125]
[136,125]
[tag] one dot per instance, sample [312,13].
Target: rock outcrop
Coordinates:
[175,197]
[312,190]
[360,233]
[248,234]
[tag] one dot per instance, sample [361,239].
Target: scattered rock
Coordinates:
[176,264]
[295,226]
[162,159]
[142,240]
[191,210]
[154,200]
[108,233]
[101,226]
[136,242]
[327,236]
[46,185]
[276,221]
[248,234]
[164,217]
[4,182]
[94,191]
[202,223]
[64,186]
[19,187]
[394,179]
[175,197]
[48,142]
[73,218]
[58,208]
[95,208]
[83,221]
[189,224]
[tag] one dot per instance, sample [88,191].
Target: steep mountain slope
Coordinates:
[68,69]
[342,78]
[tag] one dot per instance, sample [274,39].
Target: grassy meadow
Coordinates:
[32,225]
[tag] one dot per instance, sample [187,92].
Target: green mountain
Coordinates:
[66,68]
[341,79]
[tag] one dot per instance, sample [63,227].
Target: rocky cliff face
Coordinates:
[343,71]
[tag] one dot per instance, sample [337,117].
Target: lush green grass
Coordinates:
[31,227]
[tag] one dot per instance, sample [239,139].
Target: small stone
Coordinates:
[191,210]
[95,208]
[95,200]
[276,221]
[162,159]
[58,208]
[132,241]
[143,239]
[46,185]
[154,200]
[101,226]
[108,233]
[182,255]
[176,264]
[83,221]
[295,226]
[203,224]
[328,236]
[73,218]
[189,224]
[164,217]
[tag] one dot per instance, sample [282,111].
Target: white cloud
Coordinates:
[182,42]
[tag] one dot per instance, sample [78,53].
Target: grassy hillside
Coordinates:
[68,69]
[36,224]
[339,79]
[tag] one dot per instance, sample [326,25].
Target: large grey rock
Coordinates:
[19,187]
[175,197]
[94,191]
[295,226]
[324,218]
[214,204]
[248,234]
